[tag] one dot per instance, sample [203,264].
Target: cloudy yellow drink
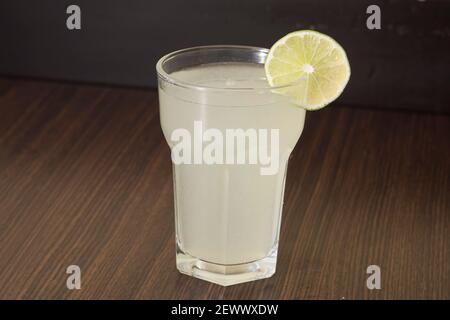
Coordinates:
[230,213]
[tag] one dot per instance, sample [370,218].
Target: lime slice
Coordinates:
[314,63]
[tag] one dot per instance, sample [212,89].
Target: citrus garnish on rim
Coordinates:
[314,64]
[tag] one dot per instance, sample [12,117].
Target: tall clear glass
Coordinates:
[227,213]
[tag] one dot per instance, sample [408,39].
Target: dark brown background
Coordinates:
[406,64]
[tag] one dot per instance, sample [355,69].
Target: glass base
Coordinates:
[226,275]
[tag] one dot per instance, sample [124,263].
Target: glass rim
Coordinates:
[163,75]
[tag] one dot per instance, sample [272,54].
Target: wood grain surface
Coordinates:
[85,179]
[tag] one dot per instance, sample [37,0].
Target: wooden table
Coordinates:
[85,179]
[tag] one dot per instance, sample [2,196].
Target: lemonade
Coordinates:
[229,214]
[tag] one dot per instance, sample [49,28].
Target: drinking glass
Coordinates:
[227,214]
